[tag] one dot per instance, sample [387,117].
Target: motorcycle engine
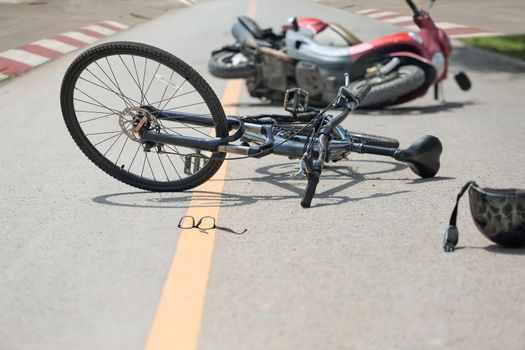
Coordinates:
[308,78]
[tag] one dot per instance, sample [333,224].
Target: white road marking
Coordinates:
[116,24]
[24,57]
[80,37]
[100,30]
[364,12]
[446,25]
[381,14]
[55,45]
[398,19]
[412,27]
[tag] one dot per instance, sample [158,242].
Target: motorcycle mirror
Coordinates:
[463,81]
[294,24]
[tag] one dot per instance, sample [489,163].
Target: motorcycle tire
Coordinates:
[408,78]
[220,65]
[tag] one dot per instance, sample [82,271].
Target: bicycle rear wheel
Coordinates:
[110,87]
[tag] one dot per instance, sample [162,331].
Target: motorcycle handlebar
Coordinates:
[412,6]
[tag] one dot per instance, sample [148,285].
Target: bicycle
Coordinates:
[127,107]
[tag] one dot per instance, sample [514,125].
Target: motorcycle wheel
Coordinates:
[405,80]
[230,65]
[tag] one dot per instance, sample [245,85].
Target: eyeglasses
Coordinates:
[205,223]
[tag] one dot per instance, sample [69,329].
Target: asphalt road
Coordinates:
[84,258]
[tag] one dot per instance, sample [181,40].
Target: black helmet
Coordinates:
[498,213]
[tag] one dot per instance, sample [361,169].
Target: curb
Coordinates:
[16,61]
[505,59]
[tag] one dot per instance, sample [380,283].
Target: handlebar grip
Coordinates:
[313,180]
[362,91]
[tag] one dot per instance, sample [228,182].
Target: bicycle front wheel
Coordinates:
[109,88]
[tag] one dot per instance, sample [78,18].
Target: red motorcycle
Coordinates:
[313,55]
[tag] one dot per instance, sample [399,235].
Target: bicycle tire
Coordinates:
[374,140]
[75,79]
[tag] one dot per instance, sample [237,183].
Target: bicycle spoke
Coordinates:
[113,91]
[138,79]
[151,81]
[102,133]
[143,165]
[133,78]
[113,144]
[115,83]
[162,165]
[96,118]
[165,89]
[173,165]
[177,90]
[174,149]
[121,150]
[98,103]
[190,105]
[135,156]
[150,168]
[109,138]
[184,94]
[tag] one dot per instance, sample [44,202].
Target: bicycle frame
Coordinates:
[245,132]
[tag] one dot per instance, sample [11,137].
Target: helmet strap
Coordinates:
[450,240]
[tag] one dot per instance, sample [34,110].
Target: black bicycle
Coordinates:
[148,119]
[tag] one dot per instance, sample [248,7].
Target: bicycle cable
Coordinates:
[320,114]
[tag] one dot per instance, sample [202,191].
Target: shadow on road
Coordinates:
[414,111]
[494,248]
[278,175]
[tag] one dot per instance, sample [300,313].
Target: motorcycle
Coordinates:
[313,55]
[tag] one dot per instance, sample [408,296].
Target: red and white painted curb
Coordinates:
[19,60]
[402,20]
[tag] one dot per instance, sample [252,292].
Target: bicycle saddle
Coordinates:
[422,156]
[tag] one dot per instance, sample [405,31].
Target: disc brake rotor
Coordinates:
[132,119]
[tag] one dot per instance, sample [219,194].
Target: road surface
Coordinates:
[90,263]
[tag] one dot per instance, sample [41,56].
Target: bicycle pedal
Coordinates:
[192,159]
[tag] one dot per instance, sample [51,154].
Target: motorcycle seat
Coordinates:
[302,47]
[350,38]
[254,29]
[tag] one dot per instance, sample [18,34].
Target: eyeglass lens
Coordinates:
[206,223]
[187,222]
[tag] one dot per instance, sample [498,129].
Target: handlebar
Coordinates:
[355,99]
[412,6]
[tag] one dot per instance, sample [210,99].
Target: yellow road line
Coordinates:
[179,314]
[177,323]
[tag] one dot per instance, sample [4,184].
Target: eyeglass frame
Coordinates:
[205,229]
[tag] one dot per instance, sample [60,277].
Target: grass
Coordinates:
[512,45]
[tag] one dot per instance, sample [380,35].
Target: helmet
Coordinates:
[498,213]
